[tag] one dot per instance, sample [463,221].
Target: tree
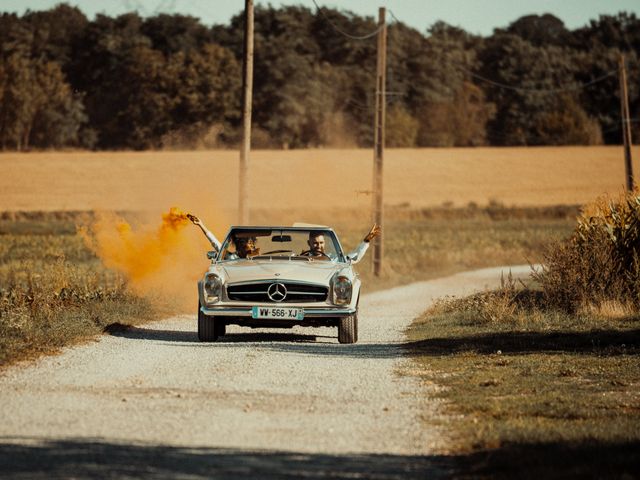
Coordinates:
[107,52]
[452,111]
[459,122]
[128,82]
[38,108]
[16,37]
[171,34]
[600,44]
[205,86]
[401,128]
[540,30]
[527,86]
[567,124]
[307,76]
[55,31]
[20,100]
[60,117]
[470,114]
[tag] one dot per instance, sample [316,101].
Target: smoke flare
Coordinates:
[159,262]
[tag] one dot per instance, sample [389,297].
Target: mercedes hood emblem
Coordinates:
[277,292]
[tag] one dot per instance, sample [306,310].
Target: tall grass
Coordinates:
[54,291]
[541,378]
[599,264]
[590,276]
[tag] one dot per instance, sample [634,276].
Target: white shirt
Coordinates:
[358,253]
[215,243]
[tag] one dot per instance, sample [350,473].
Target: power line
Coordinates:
[618,126]
[505,86]
[572,88]
[342,32]
[393,16]
[136,5]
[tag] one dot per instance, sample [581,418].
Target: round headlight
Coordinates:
[212,288]
[342,290]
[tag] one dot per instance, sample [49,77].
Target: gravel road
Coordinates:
[154,402]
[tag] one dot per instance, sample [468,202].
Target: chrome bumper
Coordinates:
[314,312]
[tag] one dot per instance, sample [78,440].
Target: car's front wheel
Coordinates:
[208,330]
[348,329]
[220,327]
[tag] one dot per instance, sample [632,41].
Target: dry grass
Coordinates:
[55,290]
[538,385]
[307,181]
[532,392]
[600,262]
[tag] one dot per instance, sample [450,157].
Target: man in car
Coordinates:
[245,246]
[316,244]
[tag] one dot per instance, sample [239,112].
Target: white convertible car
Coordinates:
[281,283]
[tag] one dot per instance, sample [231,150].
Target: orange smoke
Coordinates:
[158,262]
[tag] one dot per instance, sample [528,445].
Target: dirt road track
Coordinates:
[153,402]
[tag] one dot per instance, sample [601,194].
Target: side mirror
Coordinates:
[212,255]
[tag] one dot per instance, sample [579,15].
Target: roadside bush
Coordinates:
[511,305]
[600,262]
[45,307]
[53,291]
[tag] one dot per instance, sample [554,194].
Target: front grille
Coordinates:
[296,292]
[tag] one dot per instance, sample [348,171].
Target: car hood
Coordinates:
[256,270]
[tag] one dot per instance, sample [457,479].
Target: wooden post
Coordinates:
[626,124]
[379,134]
[247,91]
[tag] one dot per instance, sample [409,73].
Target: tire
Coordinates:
[207,331]
[348,329]
[220,327]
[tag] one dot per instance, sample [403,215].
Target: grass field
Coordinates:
[532,393]
[55,290]
[306,182]
[541,380]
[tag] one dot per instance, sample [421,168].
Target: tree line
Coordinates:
[168,81]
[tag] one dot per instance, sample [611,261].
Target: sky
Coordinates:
[475,16]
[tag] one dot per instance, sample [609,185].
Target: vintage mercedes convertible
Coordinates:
[280,282]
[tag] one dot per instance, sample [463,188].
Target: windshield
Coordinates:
[299,244]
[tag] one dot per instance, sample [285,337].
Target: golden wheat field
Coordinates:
[207,181]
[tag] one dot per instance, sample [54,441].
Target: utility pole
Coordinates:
[626,124]
[247,91]
[378,143]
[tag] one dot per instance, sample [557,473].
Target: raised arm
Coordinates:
[215,243]
[357,254]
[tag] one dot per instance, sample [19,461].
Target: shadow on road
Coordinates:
[97,459]
[283,342]
[255,337]
[180,336]
[357,350]
[137,333]
[605,342]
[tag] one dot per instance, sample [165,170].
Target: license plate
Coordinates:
[281,313]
